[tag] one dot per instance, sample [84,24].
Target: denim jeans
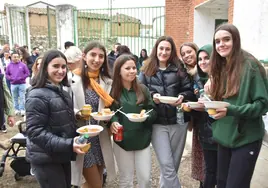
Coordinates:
[18,94]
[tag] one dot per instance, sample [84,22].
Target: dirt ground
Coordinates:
[8,181]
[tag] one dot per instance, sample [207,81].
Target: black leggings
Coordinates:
[210,157]
[53,175]
[236,165]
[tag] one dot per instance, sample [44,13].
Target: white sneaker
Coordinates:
[17,112]
[22,112]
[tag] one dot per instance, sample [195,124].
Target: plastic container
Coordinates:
[83,140]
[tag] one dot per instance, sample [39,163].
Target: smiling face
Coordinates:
[128,72]
[188,55]
[56,70]
[203,61]
[223,43]
[94,59]
[163,51]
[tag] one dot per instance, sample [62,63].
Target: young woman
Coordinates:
[91,84]
[26,58]
[36,66]
[51,124]
[143,57]
[204,123]
[238,78]
[164,74]
[188,53]
[134,151]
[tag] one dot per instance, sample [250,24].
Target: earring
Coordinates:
[85,66]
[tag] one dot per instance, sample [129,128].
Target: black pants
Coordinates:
[53,175]
[236,165]
[210,157]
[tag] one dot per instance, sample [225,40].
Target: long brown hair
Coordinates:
[151,64]
[225,81]
[25,54]
[84,68]
[117,85]
[34,67]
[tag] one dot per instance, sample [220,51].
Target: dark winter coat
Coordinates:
[50,125]
[170,82]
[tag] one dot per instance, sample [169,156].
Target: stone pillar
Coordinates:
[65,25]
[251,19]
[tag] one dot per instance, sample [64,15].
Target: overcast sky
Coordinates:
[87,4]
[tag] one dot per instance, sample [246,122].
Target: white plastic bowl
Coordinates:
[100,128]
[216,104]
[194,105]
[101,117]
[139,119]
[167,99]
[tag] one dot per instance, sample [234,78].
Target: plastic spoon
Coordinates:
[148,111]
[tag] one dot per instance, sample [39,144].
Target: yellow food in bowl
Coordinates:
[212,111]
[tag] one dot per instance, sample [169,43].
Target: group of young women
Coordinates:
[229,141]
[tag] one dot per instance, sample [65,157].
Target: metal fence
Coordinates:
[18,25]
[3,28]
[137,28]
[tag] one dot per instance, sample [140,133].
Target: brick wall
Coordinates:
[180,20]
[177,20]
[231,11]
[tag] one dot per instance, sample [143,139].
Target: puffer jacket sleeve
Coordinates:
[186,88]
[37,114]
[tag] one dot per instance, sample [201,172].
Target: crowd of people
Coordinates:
[225,145]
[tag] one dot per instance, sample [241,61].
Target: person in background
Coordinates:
[134,151]
[165,75]
[74,56]
[16,73]
[26,48]
[188,52]
[26,58]
[50,150]
[91,84]
[36,66]
[35,53]
[238,78]
[143,57]
[112,57]
[68,44]
[6,105]
[6,48]
[3,64]
[16,48]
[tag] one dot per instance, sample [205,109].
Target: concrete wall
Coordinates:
[251,18]
[204,25]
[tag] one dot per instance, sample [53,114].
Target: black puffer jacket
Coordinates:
[170,82]
[50,125]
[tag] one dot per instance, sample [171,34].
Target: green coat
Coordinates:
[137,136]
[243,123]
